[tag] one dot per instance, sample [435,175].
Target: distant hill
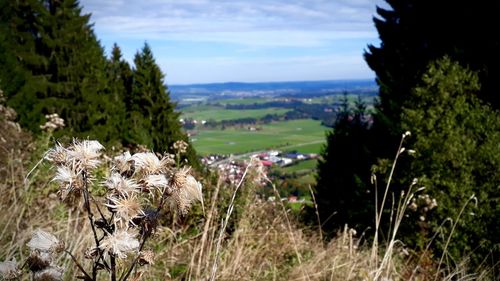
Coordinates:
[271,89]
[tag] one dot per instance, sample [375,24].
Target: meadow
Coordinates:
[217,113]
[304,136]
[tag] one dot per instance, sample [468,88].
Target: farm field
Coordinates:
[219,114]
[304,136]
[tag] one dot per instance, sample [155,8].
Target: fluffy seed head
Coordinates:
[184,195]
[123,163]
[121,186]
[38,260]
[125,209]
[119,243]
[86,153]
[9,270]
[146,257]
[156,181]
[147,163]
[58,155]
[45,242]
[51,273]
[69,180]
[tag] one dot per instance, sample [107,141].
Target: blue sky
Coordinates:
[206,41]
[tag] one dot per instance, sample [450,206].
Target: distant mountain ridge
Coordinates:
[292,88]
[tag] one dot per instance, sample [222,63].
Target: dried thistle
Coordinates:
[147,163]
[123,163]
[45,242]
[38,260]
[85,153]
[186,189]
[180,146]
[146,257]
[70,181]
[121,186]
[9,270]
[51,273]
[125,208]
[119,243]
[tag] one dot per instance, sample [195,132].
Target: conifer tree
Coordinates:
[151,115]
[63,68]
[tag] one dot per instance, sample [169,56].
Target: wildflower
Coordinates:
[120,185]
[123,163]
[180,146]
[51,273]
[86,153]
[53,123]
[119,243]
[146,257]
[125,209]
[9,270]
[45,242]
[147,163]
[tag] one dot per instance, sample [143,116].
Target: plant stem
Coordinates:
[87,276]
[113,267]
[90,216]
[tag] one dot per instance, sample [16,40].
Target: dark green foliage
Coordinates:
[151,118]
[457,140]
[417,32]
[51,62]
[342,192]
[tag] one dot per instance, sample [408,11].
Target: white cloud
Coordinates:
[265,23]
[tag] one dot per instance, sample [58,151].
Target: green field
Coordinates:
[305,136]
[219,114]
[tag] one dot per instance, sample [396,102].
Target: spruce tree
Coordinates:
[342,191]
[63,69]
[151,115]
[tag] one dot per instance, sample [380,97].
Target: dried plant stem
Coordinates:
[290,231]
[224,223]
[206,228]
[87,276]
[112,260]
[317,212]
[90,216]
[473,197]
[380,210]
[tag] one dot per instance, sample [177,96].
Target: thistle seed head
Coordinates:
[120,243]
[51,273]
[9,270]
[45,242]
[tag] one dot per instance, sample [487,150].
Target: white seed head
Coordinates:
[156,181]
[58,155]
[147,163]
[184,195]
[9,270]
[45,242]
[51,273]
[123,163]
[125,208]
[119,243]
[122,186]
[86,153]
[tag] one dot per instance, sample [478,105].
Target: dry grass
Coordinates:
[263,243]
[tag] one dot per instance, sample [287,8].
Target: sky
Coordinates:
[209,41]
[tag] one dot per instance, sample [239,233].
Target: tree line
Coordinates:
[438,70]
[52,62]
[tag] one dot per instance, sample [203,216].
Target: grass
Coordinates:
[301,166]
[219,114]
[239,237]
[306,136]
